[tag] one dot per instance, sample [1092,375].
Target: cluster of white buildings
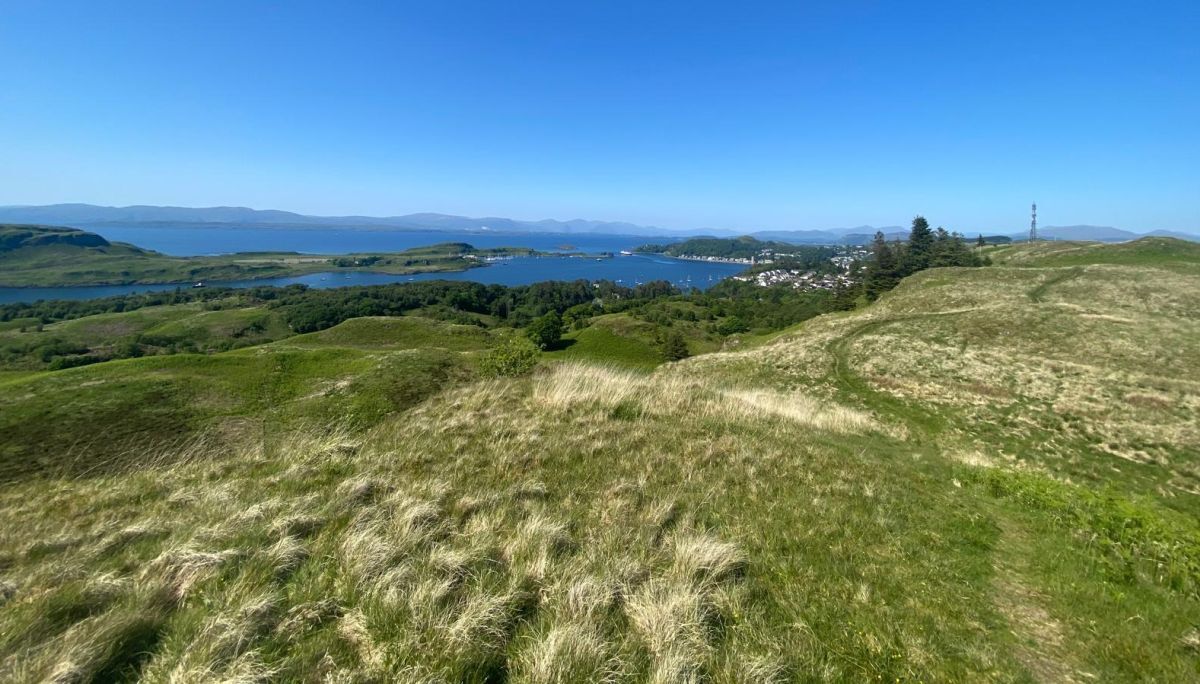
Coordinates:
[752,261]
[807,280]
[800,280]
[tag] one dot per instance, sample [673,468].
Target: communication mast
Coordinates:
[1033,225]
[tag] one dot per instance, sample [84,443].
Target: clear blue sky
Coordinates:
[787,115]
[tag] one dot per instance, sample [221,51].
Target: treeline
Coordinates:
[49,311]
[736,306]
[744,247]
[463,302]
[890,262]
[308,310]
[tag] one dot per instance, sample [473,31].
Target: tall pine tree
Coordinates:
[883,271]
[920,246]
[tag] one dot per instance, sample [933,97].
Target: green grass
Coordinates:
[987,475]
[1155,252]
[101,415]
[406,332]
[629,342]
[159,329]
[14,375]
[600,342]
[18,323]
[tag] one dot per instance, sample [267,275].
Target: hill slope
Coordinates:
[989,474]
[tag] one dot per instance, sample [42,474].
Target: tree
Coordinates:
[546,331]
[980,242]
[920,246]
[732,326]
[516,356]
[577,316]
[883,270]
[674,347]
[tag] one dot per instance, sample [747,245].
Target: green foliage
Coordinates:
[308,310]
[883,272]
[512,358]
[674,347]
[398,332]
[744,247]
[217,325]
[892,262]
[732,326]
[1137,538]
[920,246]
[545,331]
[576,317]
[617,339]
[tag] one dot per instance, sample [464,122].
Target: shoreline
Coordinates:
[218,283]
[469,262]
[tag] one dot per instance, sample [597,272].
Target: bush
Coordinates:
[64,362]
[732,326]
[514,357]
[674,347]
[546,331]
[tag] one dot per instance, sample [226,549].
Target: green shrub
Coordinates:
[732,326]
[514,357]
[546,331]
[674,347]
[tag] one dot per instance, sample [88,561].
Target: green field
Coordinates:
[988,474]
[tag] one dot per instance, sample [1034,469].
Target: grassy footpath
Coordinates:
[987,475]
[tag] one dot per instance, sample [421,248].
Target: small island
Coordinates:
[50,256]
[739,250]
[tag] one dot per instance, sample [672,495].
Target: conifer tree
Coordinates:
[674,347]
[883,270]
[920,246]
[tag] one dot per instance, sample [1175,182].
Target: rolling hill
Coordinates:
[989,474]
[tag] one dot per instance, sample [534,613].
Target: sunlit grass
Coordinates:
[988,475]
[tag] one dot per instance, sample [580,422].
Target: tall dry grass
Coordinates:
[317,554]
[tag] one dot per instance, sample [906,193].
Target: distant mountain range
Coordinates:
[85,215]
[90,216]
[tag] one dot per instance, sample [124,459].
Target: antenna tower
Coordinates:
[1033,225]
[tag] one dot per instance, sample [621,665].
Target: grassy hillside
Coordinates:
[43,256]
[1155,252]
[30,345]
[987,475]
[631,342]
[101,417]
[408,332]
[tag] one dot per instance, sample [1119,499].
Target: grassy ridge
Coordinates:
[1152,252]
[309,380]
[987,475]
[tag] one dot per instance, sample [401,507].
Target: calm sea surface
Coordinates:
[628,270]
[195,241]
